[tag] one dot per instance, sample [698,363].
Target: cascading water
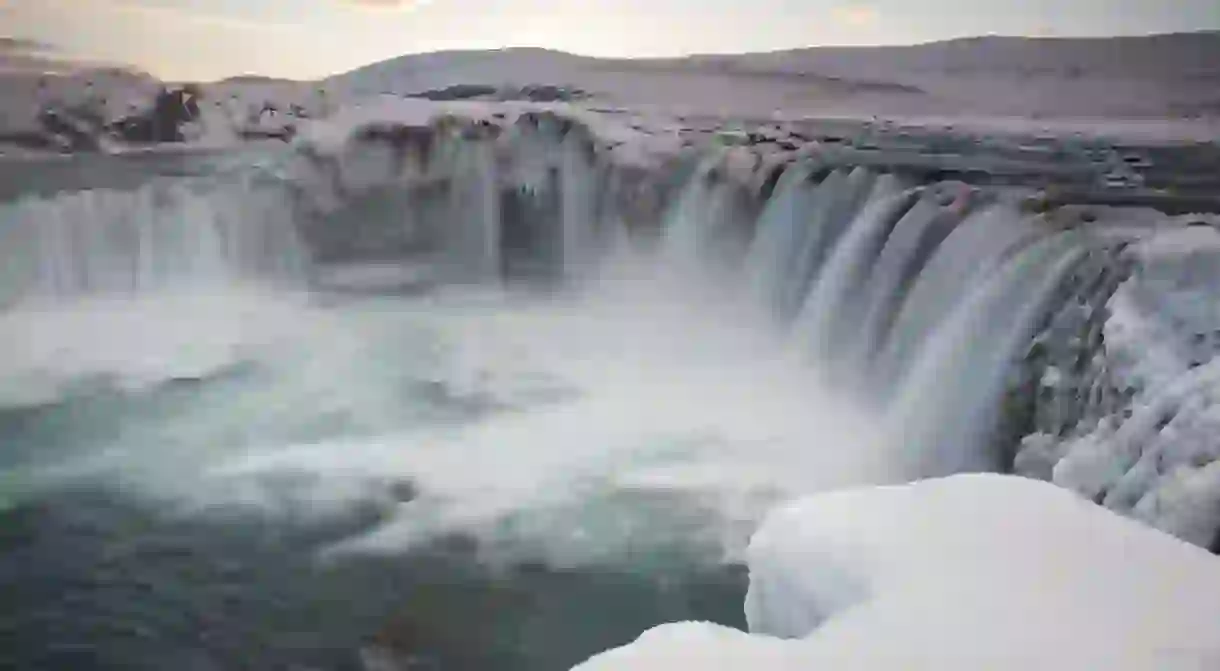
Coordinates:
[474,212]
[780,226]
[578,201]
[925,303]
[133,288]
[801,258]
[834,203]
[976,246]
[833,308]
[161,236]
[613,445]
[701,210]
[948,431]
[907,249]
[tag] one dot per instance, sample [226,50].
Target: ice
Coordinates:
[1153,455]
[967,572]
[639,143]
[334,131]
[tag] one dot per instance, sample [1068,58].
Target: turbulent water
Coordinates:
[235,438]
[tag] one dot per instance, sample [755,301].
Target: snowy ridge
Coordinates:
[1156,91]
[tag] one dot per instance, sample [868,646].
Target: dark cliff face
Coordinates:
[163,121]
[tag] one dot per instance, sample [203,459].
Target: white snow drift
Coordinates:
[968,572]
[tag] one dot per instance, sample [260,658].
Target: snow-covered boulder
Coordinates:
[969,572]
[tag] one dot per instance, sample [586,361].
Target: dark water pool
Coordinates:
[95,580]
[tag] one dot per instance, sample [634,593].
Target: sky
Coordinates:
[306,39]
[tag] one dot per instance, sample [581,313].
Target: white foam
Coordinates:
[134,342]
[593,429]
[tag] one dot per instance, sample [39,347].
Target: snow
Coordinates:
[334,131]
[967,572]
[113,93]
[1153,98]
[1029,84]
[699,646]
[1155,457]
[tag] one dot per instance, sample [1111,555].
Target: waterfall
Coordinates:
[920,302]
[907,249]
[832,309]
[975,246]
[612,214]
[697,214]
[780,226]
[923,301]
[474,213]
[835,201]
[947,403]
[162,236]
[578,200]
[551,190]
[800,259]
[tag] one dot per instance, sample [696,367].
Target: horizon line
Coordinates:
[64,58]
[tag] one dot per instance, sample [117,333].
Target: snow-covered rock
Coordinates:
[630,141]
[1146,441]
[968,572]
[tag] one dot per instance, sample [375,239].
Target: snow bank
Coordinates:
[969,572]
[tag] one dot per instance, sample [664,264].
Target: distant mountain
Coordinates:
[21,45]
[1156,76]
[1175,55]
[19,55]
[31,57]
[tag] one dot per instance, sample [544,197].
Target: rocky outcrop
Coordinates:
[538,93]
[87,125]
[163,121]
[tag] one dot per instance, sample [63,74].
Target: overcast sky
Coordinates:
[210,39]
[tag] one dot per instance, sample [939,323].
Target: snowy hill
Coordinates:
[1160,75]
[28,56]
[1035,82]
[1157,76]
[1154,56]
